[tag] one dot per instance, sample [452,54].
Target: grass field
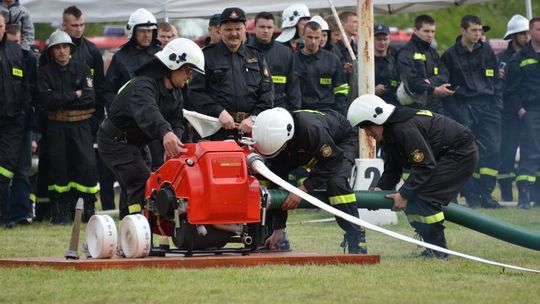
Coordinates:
[399,278]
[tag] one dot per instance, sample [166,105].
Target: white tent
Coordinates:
[48,11]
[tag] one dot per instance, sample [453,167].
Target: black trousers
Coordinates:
[529,159]
[11,135]
[510,133]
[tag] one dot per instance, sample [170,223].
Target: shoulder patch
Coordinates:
[326,150]
[417,156]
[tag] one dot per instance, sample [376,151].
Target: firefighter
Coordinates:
[386,73]
[279,60]
[213,30]
[523,91]
[322,81]
[440,153]
[294,19]
[423,75]
[237,85]
[323,142]
[476,104]
[67,93]
[148,107]
[350,26]
[518,34]
[14,102]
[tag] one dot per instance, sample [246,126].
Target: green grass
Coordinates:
[399,278]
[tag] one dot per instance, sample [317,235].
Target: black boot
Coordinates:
[472,199]
[89,209]
[355,242]
[506,190]
[433,234]
[487,201]
[66,214]
[525,198]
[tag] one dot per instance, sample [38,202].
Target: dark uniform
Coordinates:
[418,61]
[144,110]
[523,91]
[441,156]
[477,104]
[237,82]
[322,81]
[386,73]
[14,101]
[70,141]
[286,85]
[510,129]
[326,145]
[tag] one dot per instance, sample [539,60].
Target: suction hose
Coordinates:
[256,163]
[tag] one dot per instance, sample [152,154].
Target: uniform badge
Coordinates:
[89,82]
[233,15]
[326,151]
[417,156]
[252,60]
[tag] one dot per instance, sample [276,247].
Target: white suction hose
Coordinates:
[255,162]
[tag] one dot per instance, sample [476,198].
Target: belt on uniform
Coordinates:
[110,129]
[239,116]
[70,115]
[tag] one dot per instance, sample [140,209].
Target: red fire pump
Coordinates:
[205,199]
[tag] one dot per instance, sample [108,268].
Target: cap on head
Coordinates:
[233,14]
[180,52]
[214,20]
[381,29]
[369,109]
[271,130]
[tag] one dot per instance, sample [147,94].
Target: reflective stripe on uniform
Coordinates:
[488,172]
[5,172]
[325,81]
[505,175]
[135,208]
[123,87]
[74,185]
[527,62]
[405,176]
[32,197]
[309,111]
[342,89]
[525,178]
[419,56]
[301,181]
[424,113]
[311,163]
[279,79]
[342,199]
[430,219]
[490,73]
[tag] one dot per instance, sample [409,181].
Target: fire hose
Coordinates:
[256,163]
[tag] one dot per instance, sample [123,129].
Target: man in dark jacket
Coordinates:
[326,145]
[440,154]
[147,108]
[237,85]
[523,91]
[279,60]
[476,104]
[386,72]
[422,73]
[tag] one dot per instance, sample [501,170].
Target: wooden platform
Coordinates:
[179,261]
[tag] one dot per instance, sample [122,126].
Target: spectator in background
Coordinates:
[279,60]
[294,19]
[386,72]
[518,34]
[214,35]
[349,20]
[334,38]
[18,14]
[18,202]
[164,33]
[485,29]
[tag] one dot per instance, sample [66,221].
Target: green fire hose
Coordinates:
[454,213]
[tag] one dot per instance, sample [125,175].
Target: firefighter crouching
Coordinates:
[67,94]
[148,107]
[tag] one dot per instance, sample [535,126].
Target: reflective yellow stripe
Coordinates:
[435,71]
[279,79]
[342,199]
[92,72]
[311,163]
[419,56]
[123,87]
[505,175]
[17,72]
[393,83]
[488,172]
[527,62]
[431,219]
[76,186]
[527,178]
[309,111]
[405,176]
[476,175]
[301,181]
[325,81]
[490,73]
[5,172]
[134,208]
[424,113]
[342,89]
[33,197]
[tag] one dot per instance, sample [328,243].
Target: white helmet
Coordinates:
[403,96]
[321,22]
[60,37]
[369,108]
[290,17]
[182,51]
[141,18]
[271,130]
[517,24]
